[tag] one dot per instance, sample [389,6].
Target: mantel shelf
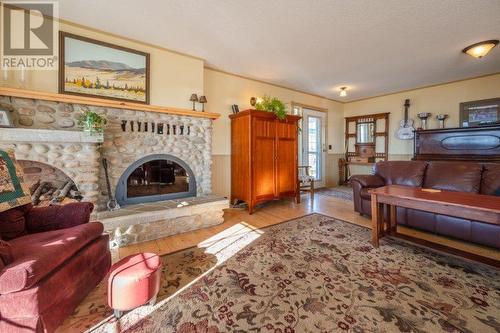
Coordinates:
[17,135]
[55,97]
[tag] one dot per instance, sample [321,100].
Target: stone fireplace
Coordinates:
[155,177]
[47,132]
[159,164]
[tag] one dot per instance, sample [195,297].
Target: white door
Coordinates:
[313,144]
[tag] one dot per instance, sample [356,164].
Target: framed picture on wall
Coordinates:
[478,113]
[89,67]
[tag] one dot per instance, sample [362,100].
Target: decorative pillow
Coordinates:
[14,191]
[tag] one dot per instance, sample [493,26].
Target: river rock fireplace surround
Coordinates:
[176,163]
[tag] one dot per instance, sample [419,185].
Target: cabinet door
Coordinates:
[263,159]
[286,158]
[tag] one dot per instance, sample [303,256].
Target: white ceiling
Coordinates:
[372,46]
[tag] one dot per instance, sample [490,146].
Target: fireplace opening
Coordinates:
[155,178]
[48,185]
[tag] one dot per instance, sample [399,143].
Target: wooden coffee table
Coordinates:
[478,207]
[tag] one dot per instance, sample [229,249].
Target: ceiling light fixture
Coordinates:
[343,92]
[480,49]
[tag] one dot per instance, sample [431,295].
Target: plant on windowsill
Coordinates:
[272,104]
[92,122]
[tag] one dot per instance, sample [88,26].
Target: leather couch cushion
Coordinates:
[453,176]
[364,193]
[37,255]
[485,233]
[454,227]
[490,184]
[408,173]
[422,220]
[13,223]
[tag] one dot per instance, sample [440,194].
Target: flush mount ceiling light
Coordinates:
[480,49]
[343,92]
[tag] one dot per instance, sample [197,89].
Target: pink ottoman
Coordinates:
[134,281]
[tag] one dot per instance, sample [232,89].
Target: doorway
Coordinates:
[313,144]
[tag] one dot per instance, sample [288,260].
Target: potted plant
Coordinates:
[272,104]
[92,122]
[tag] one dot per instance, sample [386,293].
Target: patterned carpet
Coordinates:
[311,274]
[340,192]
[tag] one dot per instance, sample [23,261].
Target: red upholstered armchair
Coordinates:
[51,258]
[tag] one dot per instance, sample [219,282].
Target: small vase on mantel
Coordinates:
[441,118]
[423,116]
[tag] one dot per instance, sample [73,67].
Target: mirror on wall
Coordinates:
[365,133]
[366,142]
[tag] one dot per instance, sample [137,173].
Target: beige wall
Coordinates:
[174,77]
[224,89]
[438,99]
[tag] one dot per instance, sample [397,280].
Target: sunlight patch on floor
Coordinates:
[223,246]
[227,243]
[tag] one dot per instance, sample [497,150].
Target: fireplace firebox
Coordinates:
[155,178]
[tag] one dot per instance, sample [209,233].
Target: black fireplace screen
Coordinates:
[156,178]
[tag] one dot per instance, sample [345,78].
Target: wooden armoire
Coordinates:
[263,157]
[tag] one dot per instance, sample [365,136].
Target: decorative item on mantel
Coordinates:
[194,99]
[423,116]
[441,118]
[91,122]
[202,100]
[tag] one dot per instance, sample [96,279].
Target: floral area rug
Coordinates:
[316,274]
[340,192]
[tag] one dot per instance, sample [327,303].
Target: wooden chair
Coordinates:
[306,181]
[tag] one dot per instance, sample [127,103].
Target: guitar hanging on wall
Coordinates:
[406,130]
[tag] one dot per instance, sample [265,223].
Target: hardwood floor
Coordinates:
[278,211]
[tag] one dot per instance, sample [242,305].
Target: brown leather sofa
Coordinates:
[482,178]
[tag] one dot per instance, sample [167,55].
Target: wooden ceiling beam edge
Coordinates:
[66,98]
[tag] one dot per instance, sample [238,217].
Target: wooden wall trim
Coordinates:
[64,98]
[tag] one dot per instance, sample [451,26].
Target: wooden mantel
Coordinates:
[48,96]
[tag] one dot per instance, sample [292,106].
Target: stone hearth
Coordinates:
[149,221]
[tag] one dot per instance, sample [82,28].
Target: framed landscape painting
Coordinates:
[93,68]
